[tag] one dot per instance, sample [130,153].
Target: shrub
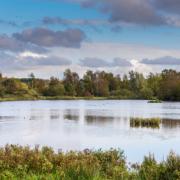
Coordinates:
[17,162]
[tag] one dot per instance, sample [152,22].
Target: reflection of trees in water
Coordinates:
[71,117]
[90,119]
[71,114]
[35,117]
[7,117]
[54,117]
[54,114]
[170,123]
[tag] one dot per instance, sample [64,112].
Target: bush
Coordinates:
[17,162]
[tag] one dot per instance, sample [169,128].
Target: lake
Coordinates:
[80,124]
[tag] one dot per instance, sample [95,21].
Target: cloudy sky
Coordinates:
[48,36]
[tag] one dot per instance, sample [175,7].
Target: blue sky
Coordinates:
[75,33]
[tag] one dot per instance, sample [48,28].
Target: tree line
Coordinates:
[134,85]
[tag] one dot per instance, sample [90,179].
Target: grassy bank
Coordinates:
[18,162]
[27,98]
[145,122]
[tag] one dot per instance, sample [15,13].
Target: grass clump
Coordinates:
[145,122]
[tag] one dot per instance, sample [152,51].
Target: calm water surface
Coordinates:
[76,125]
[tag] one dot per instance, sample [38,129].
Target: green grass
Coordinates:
[26,98]
[145,122]
[29,97]
[23,163]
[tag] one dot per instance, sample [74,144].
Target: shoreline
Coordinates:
[16,98]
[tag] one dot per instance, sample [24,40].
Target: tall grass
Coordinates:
[145,122]
[17,162]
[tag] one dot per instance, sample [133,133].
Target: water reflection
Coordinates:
[71,117]
[2,118]
[54,116]
[170,123]
[71,114]
[100,120]
[76,125]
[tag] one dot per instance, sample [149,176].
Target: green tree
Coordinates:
[169,87]
[153,83]
[71,83]
[33,79]
[136,81]
[88,81]
[1,86]
[15,86]
[56,88]
[101,84]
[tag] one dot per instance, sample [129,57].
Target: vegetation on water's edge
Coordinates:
[94,85]
[26,98]
[155,101]
[145,122]
[18,162]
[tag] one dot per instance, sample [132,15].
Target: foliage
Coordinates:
[17,162]
[154,101]
[55,88]
[163,86]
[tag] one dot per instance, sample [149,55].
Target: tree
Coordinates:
[15,86]
[146,93]
[40,85]
[71,83]
[125,82]
[101,84]
[56,88]
[136,81]
[88,81]
[1,86]
[33,79]
[169,86]
[153,83]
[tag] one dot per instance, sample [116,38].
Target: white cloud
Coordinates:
[109,51]
[102,50]
[31,54]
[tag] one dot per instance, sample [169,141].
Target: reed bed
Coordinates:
[145,122]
